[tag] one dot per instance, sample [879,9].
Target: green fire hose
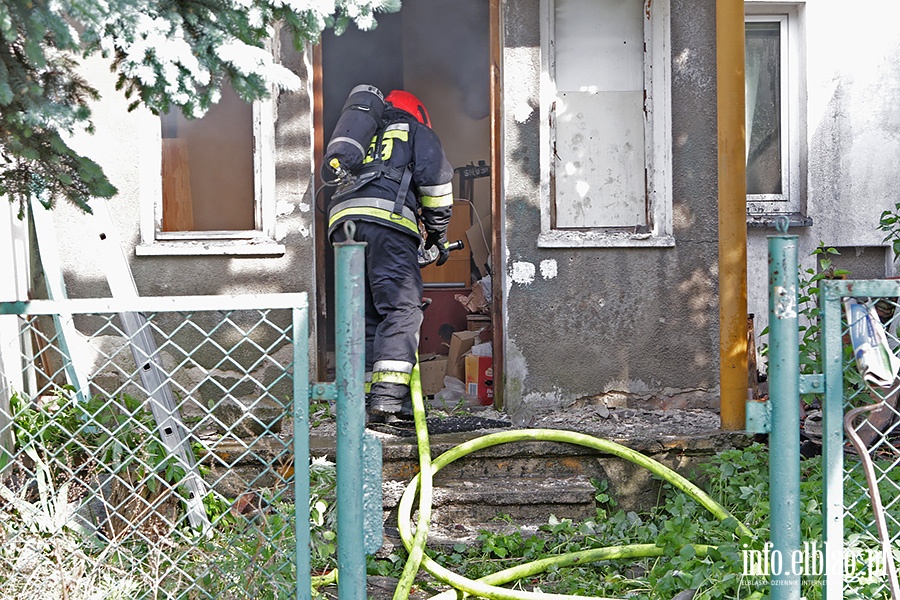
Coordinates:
[487,587]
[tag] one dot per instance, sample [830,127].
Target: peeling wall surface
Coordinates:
[625,324]
[852,114]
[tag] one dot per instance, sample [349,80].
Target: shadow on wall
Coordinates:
[627,324]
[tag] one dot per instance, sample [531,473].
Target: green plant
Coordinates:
[602,494]
[809,313]
[323,516]
[119,432]
[246,554]
[697,550]
[52,422]
[52,511]
[445,407]
[125,438]
[320,412]
[889,222]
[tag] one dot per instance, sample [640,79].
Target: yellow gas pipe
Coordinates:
[733,360]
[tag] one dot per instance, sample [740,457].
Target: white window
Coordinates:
[775,126]
[214,188]
[606,124]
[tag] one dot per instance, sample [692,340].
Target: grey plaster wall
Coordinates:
[634,325]
[852,118]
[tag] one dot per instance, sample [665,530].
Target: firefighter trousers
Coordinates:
[393,300]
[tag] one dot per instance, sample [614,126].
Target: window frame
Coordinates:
[793,122]
[657,140]
[252,242]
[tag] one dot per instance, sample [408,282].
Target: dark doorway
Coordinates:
[440,50]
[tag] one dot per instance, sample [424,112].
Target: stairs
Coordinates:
[526,482]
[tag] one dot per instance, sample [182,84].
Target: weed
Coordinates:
[809,313]
[808,308]
[323,517]
[889,222]
[321,412]
[737,479]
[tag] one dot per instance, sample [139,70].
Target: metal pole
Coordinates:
[349,283]
[784,439]
[301,451]
[833,441]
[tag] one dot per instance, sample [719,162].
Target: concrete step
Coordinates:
[518,486]
[632,486]
[527,481]
[531,499]
[462,508]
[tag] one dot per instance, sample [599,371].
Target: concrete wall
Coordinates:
[853,136]
[636,325]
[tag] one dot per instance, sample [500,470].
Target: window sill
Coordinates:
[210,248]
[769,220]
[598,239]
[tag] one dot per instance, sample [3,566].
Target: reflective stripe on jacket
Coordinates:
[369,209]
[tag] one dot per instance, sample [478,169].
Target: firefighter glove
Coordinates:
[439,239]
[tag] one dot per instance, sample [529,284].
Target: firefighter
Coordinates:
[404,179]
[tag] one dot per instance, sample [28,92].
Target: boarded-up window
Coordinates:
[599,154]
[208,184]
[607,157]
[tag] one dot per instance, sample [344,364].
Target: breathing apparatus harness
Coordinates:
[361,122]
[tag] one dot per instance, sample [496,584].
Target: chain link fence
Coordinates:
[864,509]
[174,476]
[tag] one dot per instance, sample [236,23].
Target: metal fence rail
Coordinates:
[95,504]
[853,553]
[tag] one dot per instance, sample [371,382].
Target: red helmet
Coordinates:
[409,103]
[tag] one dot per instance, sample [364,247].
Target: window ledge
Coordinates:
[210,248]
[598,239]
[760,221]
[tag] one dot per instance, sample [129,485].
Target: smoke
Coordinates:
[429,44]
[451,40]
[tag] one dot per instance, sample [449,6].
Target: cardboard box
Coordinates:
[476,322]
[480,378]
[460,343]
[432,371]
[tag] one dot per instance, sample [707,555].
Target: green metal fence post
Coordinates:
[349,282]
[300,319]
[830,296]
[784,396]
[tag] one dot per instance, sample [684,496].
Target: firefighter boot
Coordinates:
[370,416]
[391,399]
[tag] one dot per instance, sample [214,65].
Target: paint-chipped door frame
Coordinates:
[321,245]
[497,213]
